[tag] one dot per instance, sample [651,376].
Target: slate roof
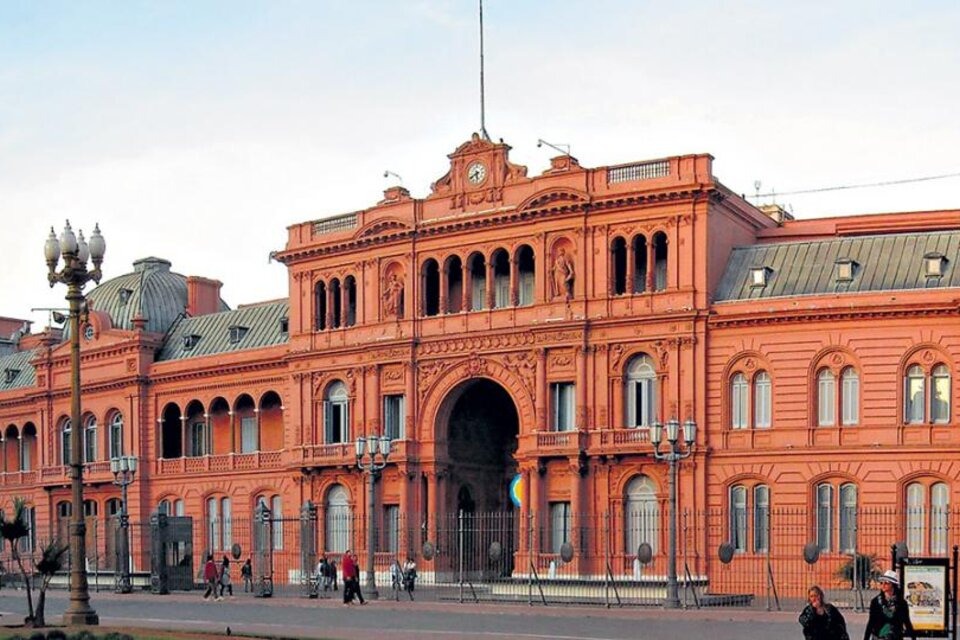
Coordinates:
[152,289]
[20,362]
[262,323]
[890,262]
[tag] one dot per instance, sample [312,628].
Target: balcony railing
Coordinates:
[99,470]
[563,441]
[223,462]
[16,478]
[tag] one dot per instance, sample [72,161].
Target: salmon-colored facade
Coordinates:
[509,324]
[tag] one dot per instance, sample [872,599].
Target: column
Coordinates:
[631,267]
[329,318]
[20,451]
[514,283]
[410,400]
[233,430]
[540,397]
[537,516]
[443,290]
[3,447]
[576,509]
[582,388]
[208,433]
[344,301]
[374,409]
[183,436]
[650,264]
[490,288]
[256,415]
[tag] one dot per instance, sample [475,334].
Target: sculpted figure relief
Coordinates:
[393,296]
[563,275]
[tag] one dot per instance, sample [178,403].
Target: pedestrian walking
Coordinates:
[889,615]
[409,576]
[323,571]
[346,569]
[226,584]
[246,572]
[356,578]
[820,619]
[212,577]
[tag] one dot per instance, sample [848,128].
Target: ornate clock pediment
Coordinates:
[479,169]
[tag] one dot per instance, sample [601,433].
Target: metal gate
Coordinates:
[262,552]
[171,553]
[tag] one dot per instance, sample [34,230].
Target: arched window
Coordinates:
[825,517]
[90,439]
[478,282]
[90,508]
[940,391]
[660,261]
[739,402]
[276,510]
[850,396]
[641,392]
[176,508]
[639,264]
[928,509]
[501,279]
[320,306]
[526,268]
[350,301]
[913,396]
[113,507]
[618,255]
[164,507]
[337,520]
[641,515]
[66,430]
[336,304]
[826,398]
[336,414]
[431,288]
[28,447]
[454,267]
[116,435]
[219,523]
[761,400]
[848,518]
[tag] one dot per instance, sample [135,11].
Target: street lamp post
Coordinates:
[75,275]
[370,448]
[123,469]
[673,456]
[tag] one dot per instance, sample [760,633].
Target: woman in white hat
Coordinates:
[889,614]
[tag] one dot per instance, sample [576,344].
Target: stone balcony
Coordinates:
[220,463]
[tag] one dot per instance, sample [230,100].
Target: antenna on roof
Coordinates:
[756,185]
[483,114]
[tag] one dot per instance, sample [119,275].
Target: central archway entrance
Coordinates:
[482,429]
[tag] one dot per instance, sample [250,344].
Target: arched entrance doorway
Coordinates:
[477,519]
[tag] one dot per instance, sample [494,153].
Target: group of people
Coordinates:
[889,617]
[403,576]
[217,577]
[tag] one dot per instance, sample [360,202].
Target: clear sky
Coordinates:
[197,131]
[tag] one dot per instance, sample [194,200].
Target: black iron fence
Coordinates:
[766,558]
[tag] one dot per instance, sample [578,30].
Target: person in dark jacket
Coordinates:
[820,619]
[889,616]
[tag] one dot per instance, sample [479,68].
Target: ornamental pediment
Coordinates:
[380,227]
[553,196]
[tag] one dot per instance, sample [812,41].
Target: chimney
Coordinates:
[776,213]
[203,296]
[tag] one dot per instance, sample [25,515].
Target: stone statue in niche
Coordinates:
[563,275]
[393,296]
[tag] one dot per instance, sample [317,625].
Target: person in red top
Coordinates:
[212,577]
[351,578]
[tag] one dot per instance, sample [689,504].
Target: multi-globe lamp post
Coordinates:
[76,252]
[124,468]
[672,456]
[372,453]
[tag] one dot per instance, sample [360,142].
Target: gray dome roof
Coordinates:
[151,291]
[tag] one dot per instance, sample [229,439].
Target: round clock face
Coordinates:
[88,332]
[476,173]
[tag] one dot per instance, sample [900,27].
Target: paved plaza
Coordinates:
[390,620]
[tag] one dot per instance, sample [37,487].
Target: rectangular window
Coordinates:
[559,525]
[824,517]
[394,417]
[116,439]
[641,403]
[848,518]
[562,395]
[501,291]
[26,453]
[335,421]
[940,402]
[479,290]
[248,434]
[197,440]
[391,529]
[227,515]
[213,524]
[739,403]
